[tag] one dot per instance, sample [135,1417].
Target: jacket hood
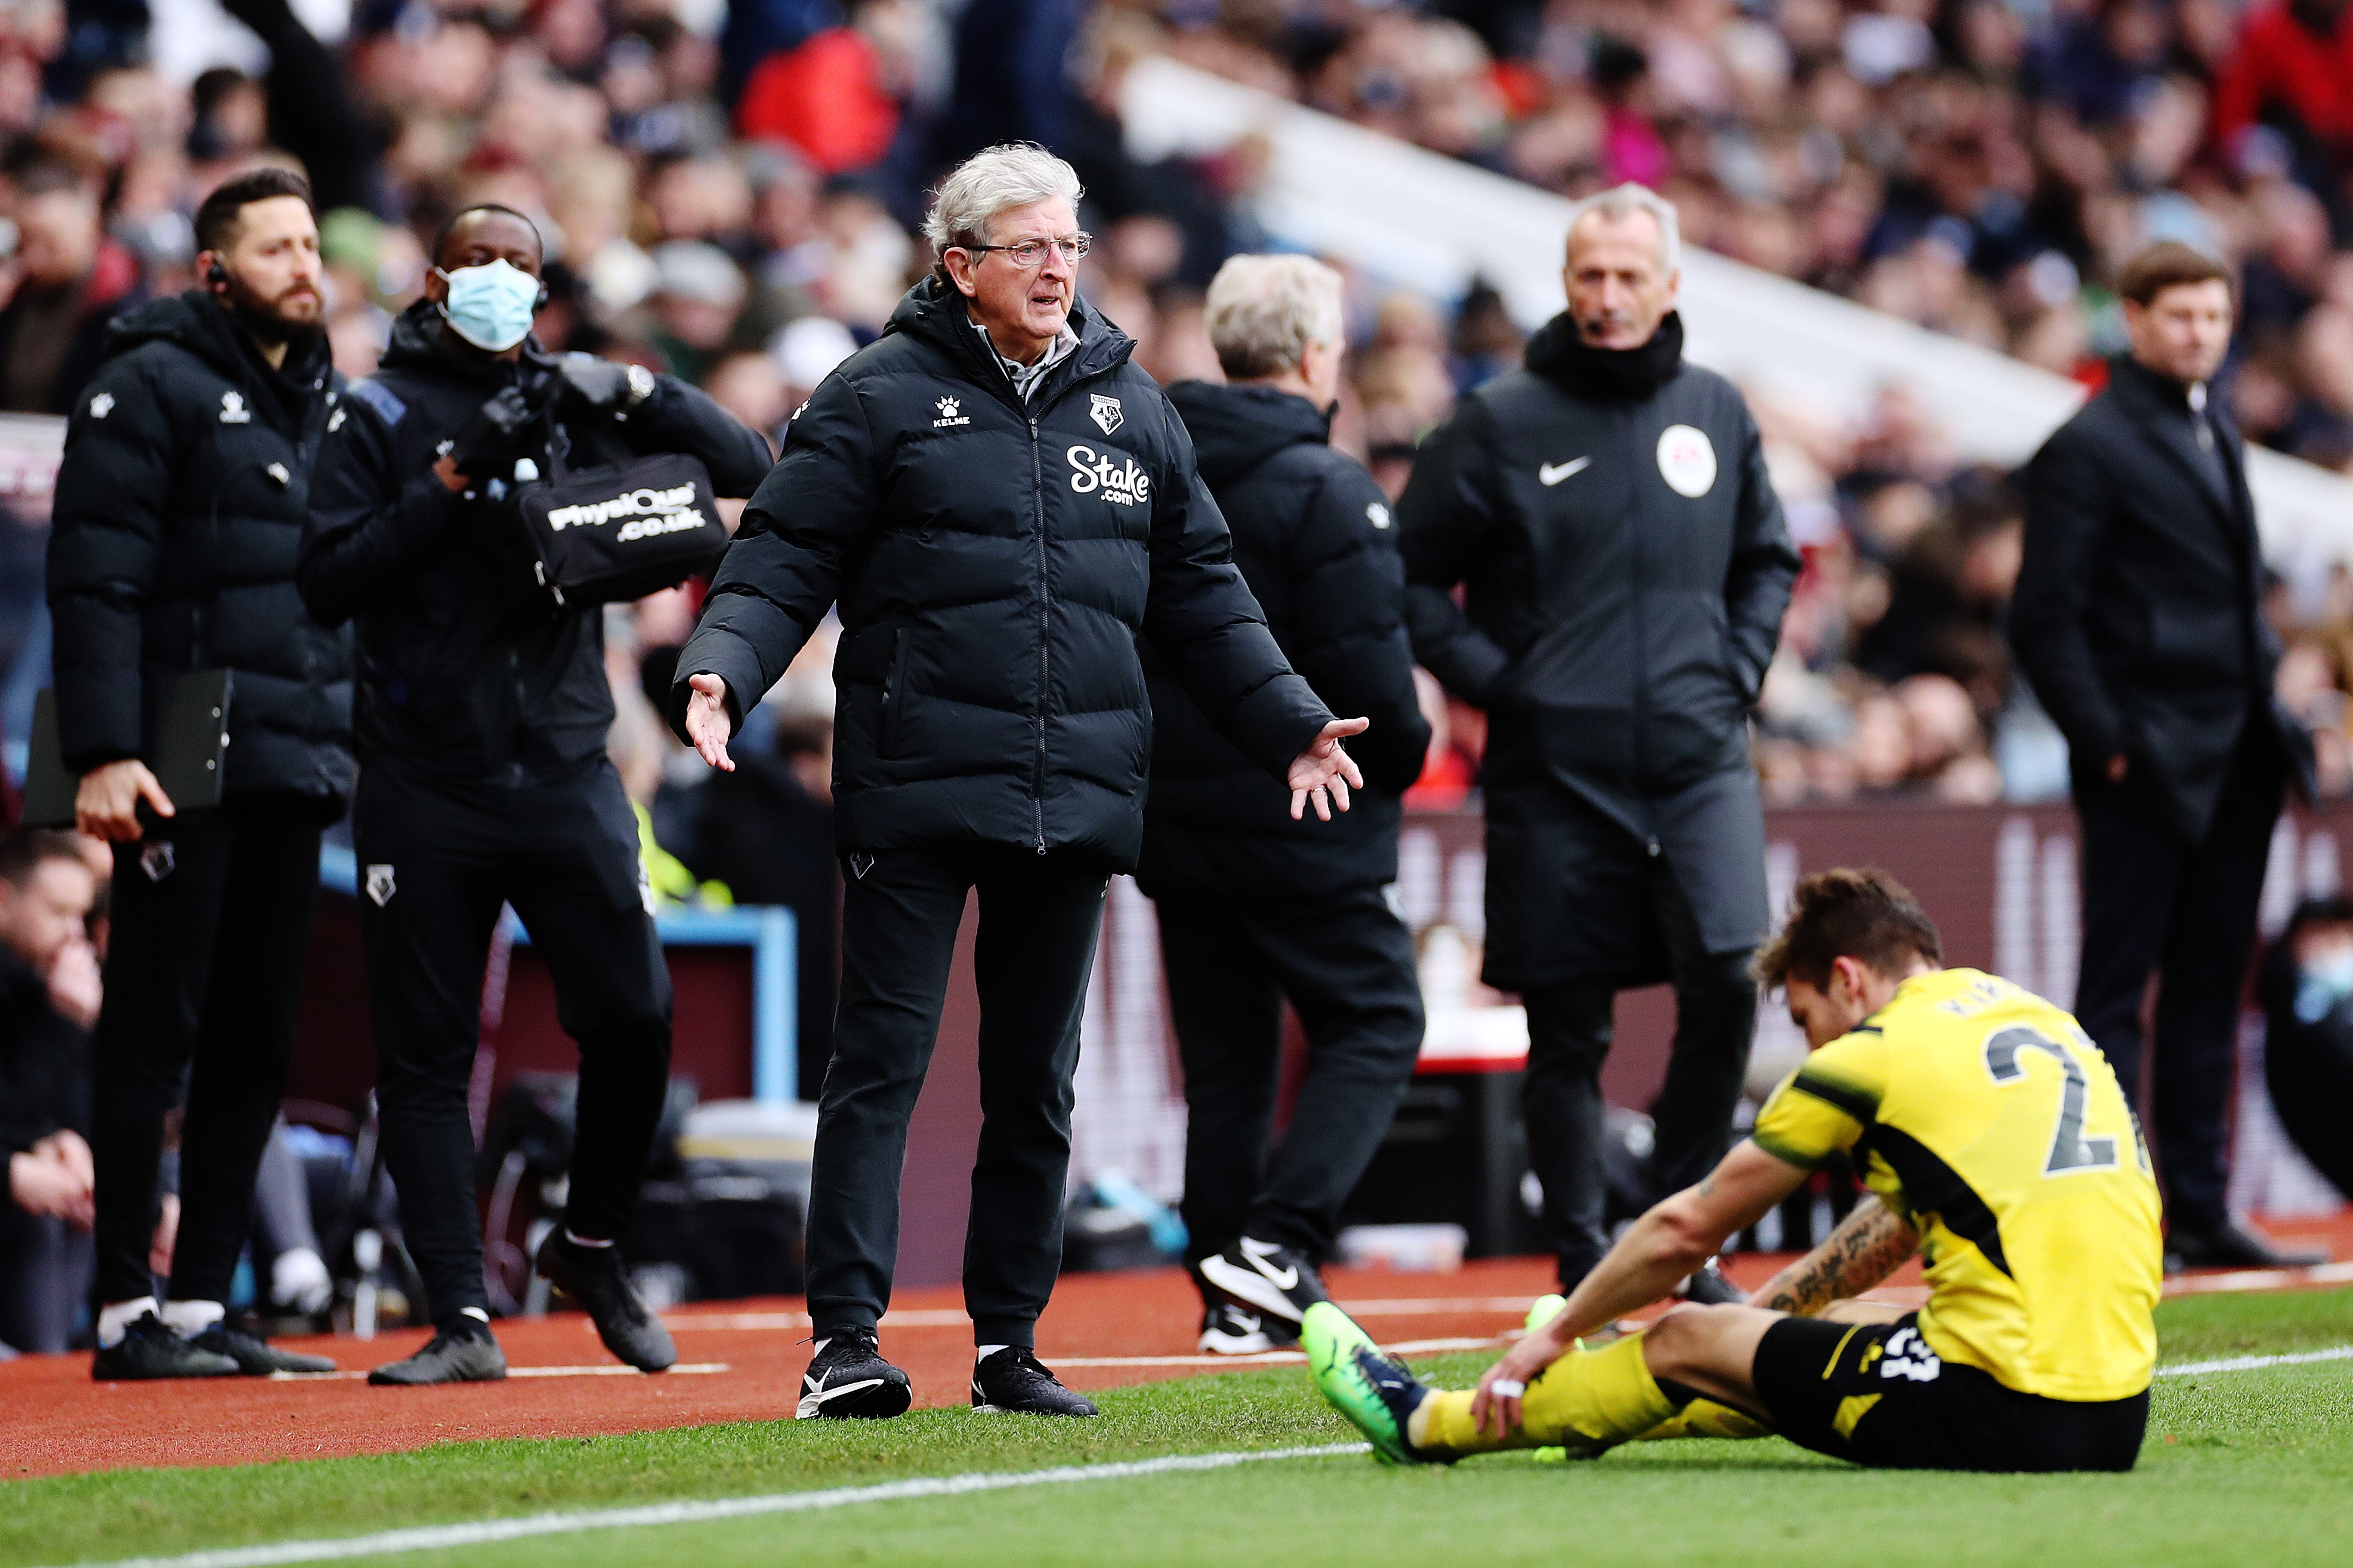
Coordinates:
[1236,428]
[416,343]
[934,312]
[1606,376]
[197,322]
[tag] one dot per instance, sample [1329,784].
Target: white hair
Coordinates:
[1263,311]
[995,179]
[1624,201]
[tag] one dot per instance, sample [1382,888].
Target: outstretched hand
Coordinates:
[707,724]
[1324,772]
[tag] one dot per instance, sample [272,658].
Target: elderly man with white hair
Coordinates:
[1626,564]
[1001,504]
[1256,909]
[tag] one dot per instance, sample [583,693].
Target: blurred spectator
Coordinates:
[48,999]
[71,280]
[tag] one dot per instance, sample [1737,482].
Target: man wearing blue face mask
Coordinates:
[482,711]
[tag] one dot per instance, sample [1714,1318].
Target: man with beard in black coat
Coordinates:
[172,548]
[1627,566]
[1001,503]
[482,711]
[1255,907]
[2139,621]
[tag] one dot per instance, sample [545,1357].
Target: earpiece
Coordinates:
[215,273]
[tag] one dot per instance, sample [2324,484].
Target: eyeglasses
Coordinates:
[1030,252]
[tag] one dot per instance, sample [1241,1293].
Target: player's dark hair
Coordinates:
[441,236]
[24,851]
[2168,264]
[217,215]
[1860,913]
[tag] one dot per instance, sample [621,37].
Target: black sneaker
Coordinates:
[149,1349]
[254,1355]
[1229,1329]
[1277,1283]
[848,1378]
[1709,1288]
[1014,1382]
[593,1277]
[453,1355]
[2229,1245]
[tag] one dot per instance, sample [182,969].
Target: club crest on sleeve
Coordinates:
[951,413]
[102,405]
[233,408]
[158,859]
[1107,412]
[380,886]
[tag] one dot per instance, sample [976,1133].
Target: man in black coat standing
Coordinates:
[1626,565]
[1255,907]
[179,507]
[1001,503]
[482,711]
[2137,619]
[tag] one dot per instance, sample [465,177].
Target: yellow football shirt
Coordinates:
[1988,1118]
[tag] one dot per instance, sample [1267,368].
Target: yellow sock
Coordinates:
[1706,1418]
[1587,1401]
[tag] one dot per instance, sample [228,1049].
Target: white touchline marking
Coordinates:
[686,1369]
[946,1317]
[2253,1363]
[483,1532]
[1273,1358]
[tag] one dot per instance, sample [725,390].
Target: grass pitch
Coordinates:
[2241,1467]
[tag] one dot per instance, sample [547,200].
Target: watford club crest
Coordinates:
[1107,412]
[379,885]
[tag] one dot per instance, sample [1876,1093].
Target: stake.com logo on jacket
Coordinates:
[1124,486]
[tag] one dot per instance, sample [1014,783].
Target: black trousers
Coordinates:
[44,1272]
[1040,916]
[1569,1032]
[211,920]
[436,860]
[2153,903]
[1346,964]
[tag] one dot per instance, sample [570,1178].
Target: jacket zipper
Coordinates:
[1045,631]
[1641,713]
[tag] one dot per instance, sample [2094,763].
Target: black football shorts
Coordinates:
[1875,1394]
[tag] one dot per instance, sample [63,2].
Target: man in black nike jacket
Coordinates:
[1626,565]
[1000,503]
[172,549]
[1255,907]
[482,712]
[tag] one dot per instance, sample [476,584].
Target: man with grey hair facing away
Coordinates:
[1626,565]
[1254,908]
[1002,505]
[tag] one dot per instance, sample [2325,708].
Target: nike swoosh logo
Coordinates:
[818,1394]
[1286,1280]
[1553,473]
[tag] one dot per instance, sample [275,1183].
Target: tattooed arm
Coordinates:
[1868,1246]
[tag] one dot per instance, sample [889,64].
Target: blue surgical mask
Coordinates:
[490,307]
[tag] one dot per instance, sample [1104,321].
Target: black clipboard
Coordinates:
[189,758]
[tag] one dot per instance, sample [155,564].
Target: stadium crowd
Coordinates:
[732,199]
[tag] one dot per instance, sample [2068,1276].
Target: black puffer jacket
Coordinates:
[173,546]
[1313,537]
[465,670]
[994,563]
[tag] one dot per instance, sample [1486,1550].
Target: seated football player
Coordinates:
[1983,1118]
